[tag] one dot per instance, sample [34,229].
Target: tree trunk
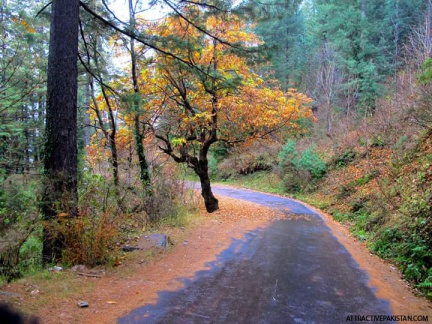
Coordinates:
[138,133]
[210,201]
[87,126]
[428,27]
[61,152]
[144,169]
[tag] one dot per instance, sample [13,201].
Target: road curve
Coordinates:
[294,271]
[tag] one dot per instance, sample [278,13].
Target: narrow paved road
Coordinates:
[294,271]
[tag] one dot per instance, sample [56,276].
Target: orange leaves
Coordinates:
[218,89]
[231,29]
[27,27]
[210,94]
[256,110]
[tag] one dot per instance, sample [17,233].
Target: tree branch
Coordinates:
[133,36]
[196,26]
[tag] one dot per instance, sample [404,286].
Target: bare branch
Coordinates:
[43,8]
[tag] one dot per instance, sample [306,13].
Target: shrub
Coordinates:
[256,156]
[288,152]
[169,202]
[310,161]
[31,253]
[90,238]
[18,216]
[299,169]
[345,158]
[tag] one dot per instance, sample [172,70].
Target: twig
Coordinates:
[44,7]
[90,275]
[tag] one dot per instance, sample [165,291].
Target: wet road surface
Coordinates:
[294,271]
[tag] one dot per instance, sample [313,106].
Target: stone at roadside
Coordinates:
[79,268]
[83,304]
[154,240]
[8,294]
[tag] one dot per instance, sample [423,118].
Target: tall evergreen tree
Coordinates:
[284,35]
[367,35]
[60,153]
[22,77]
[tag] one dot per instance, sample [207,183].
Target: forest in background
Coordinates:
[327,101]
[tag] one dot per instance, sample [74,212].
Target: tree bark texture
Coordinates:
[210,201]
[138,132]
[60,152]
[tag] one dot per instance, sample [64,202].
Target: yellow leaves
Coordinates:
[178,141]
[181,102]
[124,137]
[257,109]
[204,116]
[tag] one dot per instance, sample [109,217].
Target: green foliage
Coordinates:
[426,76]
[22,67]
[363,180]
[288,152]
[18,200]
[266,181]
[426,285]
[409,250]
[300,168]
[378,141]
[344,159]
[310,161]
[283,33]
[213,165]
[31,254]
[217,153]
[18,215]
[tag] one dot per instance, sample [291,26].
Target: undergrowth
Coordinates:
[384,195]
[109,217]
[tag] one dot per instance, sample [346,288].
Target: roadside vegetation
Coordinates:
[367,158]
[373,174]
[382,193]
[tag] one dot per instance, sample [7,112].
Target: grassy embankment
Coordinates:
[382,192]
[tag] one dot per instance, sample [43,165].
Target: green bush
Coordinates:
[288,152]
[31,254]
[18,215]
[310,161]
[299,169]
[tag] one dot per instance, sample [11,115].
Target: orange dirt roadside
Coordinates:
[137,282]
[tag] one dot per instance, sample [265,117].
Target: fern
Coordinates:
[425,284]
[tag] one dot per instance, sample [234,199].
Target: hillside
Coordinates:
[381,192]
[384,196]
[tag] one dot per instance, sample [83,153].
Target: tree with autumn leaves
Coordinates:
[212,95]
[205,92]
